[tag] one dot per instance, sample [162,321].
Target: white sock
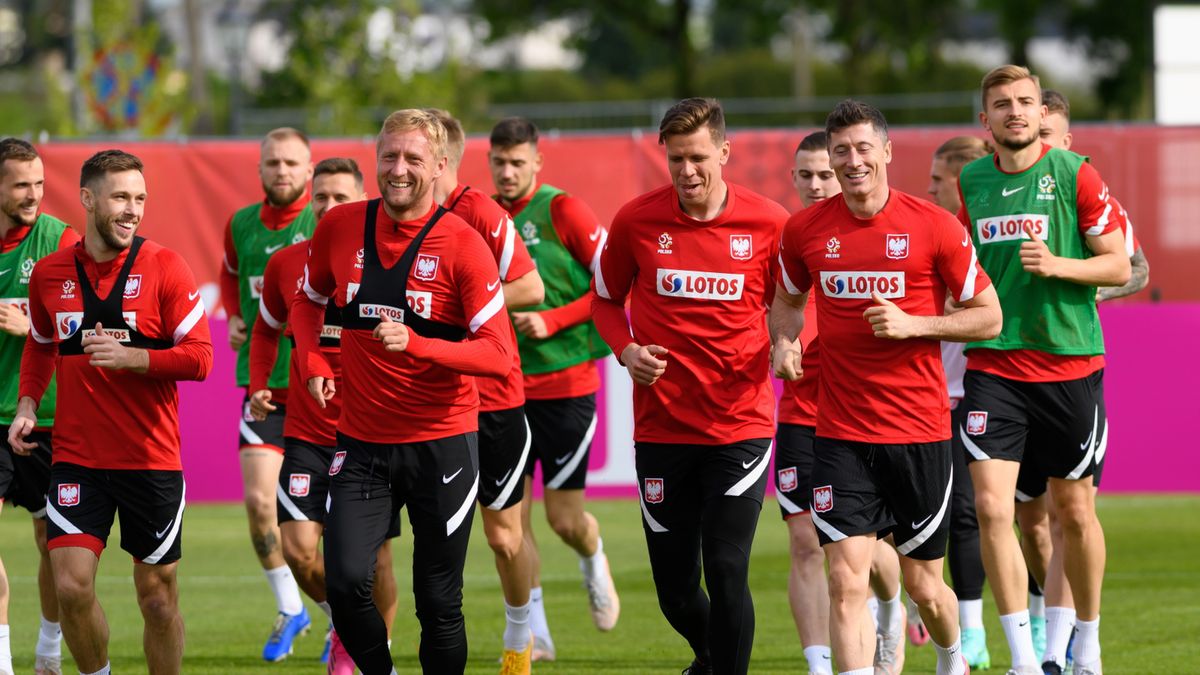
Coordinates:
[106,670]
[537,615]
[327,609]
[889,615]
[516,627]
[858,671]
[287,592]
[1087,642]
[970,613]
[820,659]
[949,659]
[1020,639]
[1037,605]
[593,565]
[5,650]
[49,638]
[1060,621]
[873,609]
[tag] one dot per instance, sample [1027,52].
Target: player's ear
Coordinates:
[86,198]
[887,152]
[725,150]
[1067,141]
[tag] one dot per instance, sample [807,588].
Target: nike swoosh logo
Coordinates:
[562,460]
[501,481]
[272,249]
[966,238]
[447,479]
[596,235]
[1023,624]
[159,535]
[492,286]
[747,465]
[1006,192]
[193,295]
[1084,445]
[499,226]
[917,525]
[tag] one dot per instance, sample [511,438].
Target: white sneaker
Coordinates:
[889,649]
[48,664]
[1023,670]
[1089,669]
[543,648]
[602,596]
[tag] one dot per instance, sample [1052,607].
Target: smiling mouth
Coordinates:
[399,185]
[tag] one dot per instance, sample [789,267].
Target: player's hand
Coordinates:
[530,324]
[106,352]
[392,334]
[643,363]
[13,321]
[20,428]
[321,389]
[237,332]
[888,320]
[1036,257]
[260,404]
[785,360]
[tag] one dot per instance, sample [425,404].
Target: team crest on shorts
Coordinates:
[339,458]
[741,246]
[68,494]
[654,490]
[298,484]
[787,479]
[823,499]
[976,422]
[897,246]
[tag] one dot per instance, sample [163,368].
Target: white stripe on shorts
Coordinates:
[975,450]
[1091,448]
[461,514]
[59,521]
[569,468]
[830,531]
[788,505]
[518,472]
[173,534]
[932,526]
[248,435]
[654,525]
[749,479]
[288,505]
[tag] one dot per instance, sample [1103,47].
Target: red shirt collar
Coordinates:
[521,203]
[279,217]
[15,236]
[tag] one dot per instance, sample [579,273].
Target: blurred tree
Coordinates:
[1016,21]
[1119,34]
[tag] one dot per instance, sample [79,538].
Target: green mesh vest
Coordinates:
[15,268]
[1049,315]
[566,281]
[255,243]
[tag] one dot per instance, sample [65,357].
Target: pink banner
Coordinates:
[1151,366]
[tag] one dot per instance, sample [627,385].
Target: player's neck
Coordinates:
[96,248]
[870,204]
[7,225]
[445,186]
[710,208]
[509,203]
[418,208]
[1016,161]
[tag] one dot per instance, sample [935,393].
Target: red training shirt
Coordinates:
[798,404]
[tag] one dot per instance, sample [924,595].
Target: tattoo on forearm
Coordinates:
[1139,276]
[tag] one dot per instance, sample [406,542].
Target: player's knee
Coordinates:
[1075,518]
[993,510]
[845,585]
[437,611]
[505,542]
[158,606]
[809,558]
[298,556]
[73,591]
[568,526]
[260,505]
[924,589]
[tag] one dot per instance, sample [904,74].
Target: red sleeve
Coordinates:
[613,278]
[230,290]
[578,229]
[182,312]
[956,262]
[793,273]
[496,226]
[963,217]
[1125,225]
[38,358]
[308,305]
[272,315]
[1092,202]
[69,238]
[571,314]
[487,350]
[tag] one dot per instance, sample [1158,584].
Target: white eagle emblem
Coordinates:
[298,484]
[133,286]
[897,246]
[426,267]
[654,490]
[740,246]
[977,422]
[68,494]
[822,498]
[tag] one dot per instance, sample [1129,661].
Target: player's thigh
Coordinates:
[919,497]
[439,482]
[734,471]
[150,505]
[1071,426]
[670,487]
[562,431]
[80,508]
[504,445]
[302,489]
[994,423]
[301,539]
[846,499]
[260,472]
[794,453]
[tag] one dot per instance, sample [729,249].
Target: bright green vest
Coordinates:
[1049,315]
[566,281]
[255,243]
[15,268]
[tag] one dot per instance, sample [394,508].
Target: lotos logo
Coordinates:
[977,422]
[68,494]
[118,334]
[426,267]
[133,286]
[67,323]
[256,287]
[368,311]
[740,246]
[298,484]
[331,332]
[420,303]
[897,246]
[654,490]
[787,479]
[1013,228]
[700,285]
[861,285]
[339,458]
[822,499]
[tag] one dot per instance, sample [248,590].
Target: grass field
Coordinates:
[1151,598]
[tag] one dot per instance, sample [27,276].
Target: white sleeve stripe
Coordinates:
[38,337]
[228,268]
[787,281]
[266,314]
[1129,249]
[1098,229]
[968,289]
[601,287]
[489,310]
[506,254]
[595,265]
[312,294]
[189,322]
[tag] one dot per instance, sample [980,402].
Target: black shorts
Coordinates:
[1058,428]
[84,501]
[25,480]
[873,488]
[504,441]
[562,430]
[675,480]
[266,434]
[794,447]
[302,493]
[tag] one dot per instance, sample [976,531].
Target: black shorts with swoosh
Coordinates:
[562,430]
[504,442]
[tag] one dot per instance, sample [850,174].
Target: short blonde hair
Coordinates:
[1005,75]
[456,139]
[962,149]
[284,133]
[415,119]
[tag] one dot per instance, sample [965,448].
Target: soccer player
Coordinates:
[965,561]
[884,261]
[558,345]
[253,234]
[26,236]
[422,314]
[1043,224]
[504,438]
[696,259]
[309,429]
[119,320]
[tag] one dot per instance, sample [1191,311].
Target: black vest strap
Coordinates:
[108,311]
[331,331]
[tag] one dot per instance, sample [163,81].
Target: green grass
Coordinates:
[1151,598]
